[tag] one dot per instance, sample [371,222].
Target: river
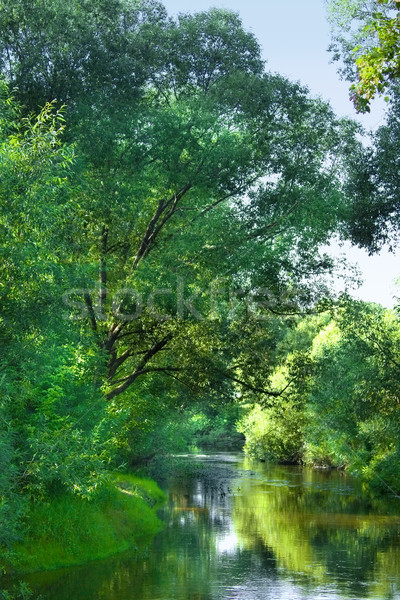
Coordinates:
[243,530]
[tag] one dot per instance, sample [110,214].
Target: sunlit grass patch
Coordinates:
[71,530]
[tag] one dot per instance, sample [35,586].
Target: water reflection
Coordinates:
[321,531]
[246,531]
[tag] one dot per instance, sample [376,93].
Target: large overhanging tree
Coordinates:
[193,164]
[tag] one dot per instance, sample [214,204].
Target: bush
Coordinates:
[18,592]
[274,434]
[382,474]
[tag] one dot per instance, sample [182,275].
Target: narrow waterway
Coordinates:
[237,529]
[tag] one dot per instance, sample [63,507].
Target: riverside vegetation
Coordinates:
[163,204]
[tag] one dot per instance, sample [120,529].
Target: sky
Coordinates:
[294,37]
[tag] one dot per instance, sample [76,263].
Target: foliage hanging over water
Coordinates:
[343,409]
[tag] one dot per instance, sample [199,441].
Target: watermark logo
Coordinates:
[182,301]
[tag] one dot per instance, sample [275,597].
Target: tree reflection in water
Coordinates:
[321,530]
[239,530]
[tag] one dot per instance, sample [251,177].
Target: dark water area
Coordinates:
[238,529]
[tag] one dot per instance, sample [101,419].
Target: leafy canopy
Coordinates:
[366,36]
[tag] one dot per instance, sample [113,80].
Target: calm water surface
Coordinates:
[237,529]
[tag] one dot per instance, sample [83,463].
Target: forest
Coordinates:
[165,207]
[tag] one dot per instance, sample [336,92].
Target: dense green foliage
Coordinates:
[20,591]
[365,36]
[163,202]
[372,185]
[342,409]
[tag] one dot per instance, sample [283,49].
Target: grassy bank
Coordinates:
[70,530]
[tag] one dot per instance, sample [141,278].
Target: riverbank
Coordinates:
[69,530]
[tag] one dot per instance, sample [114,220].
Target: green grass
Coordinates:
[70,530]
[144,487]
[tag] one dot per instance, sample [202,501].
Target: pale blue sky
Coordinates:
[294,37]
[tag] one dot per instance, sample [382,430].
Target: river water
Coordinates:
[237,529]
